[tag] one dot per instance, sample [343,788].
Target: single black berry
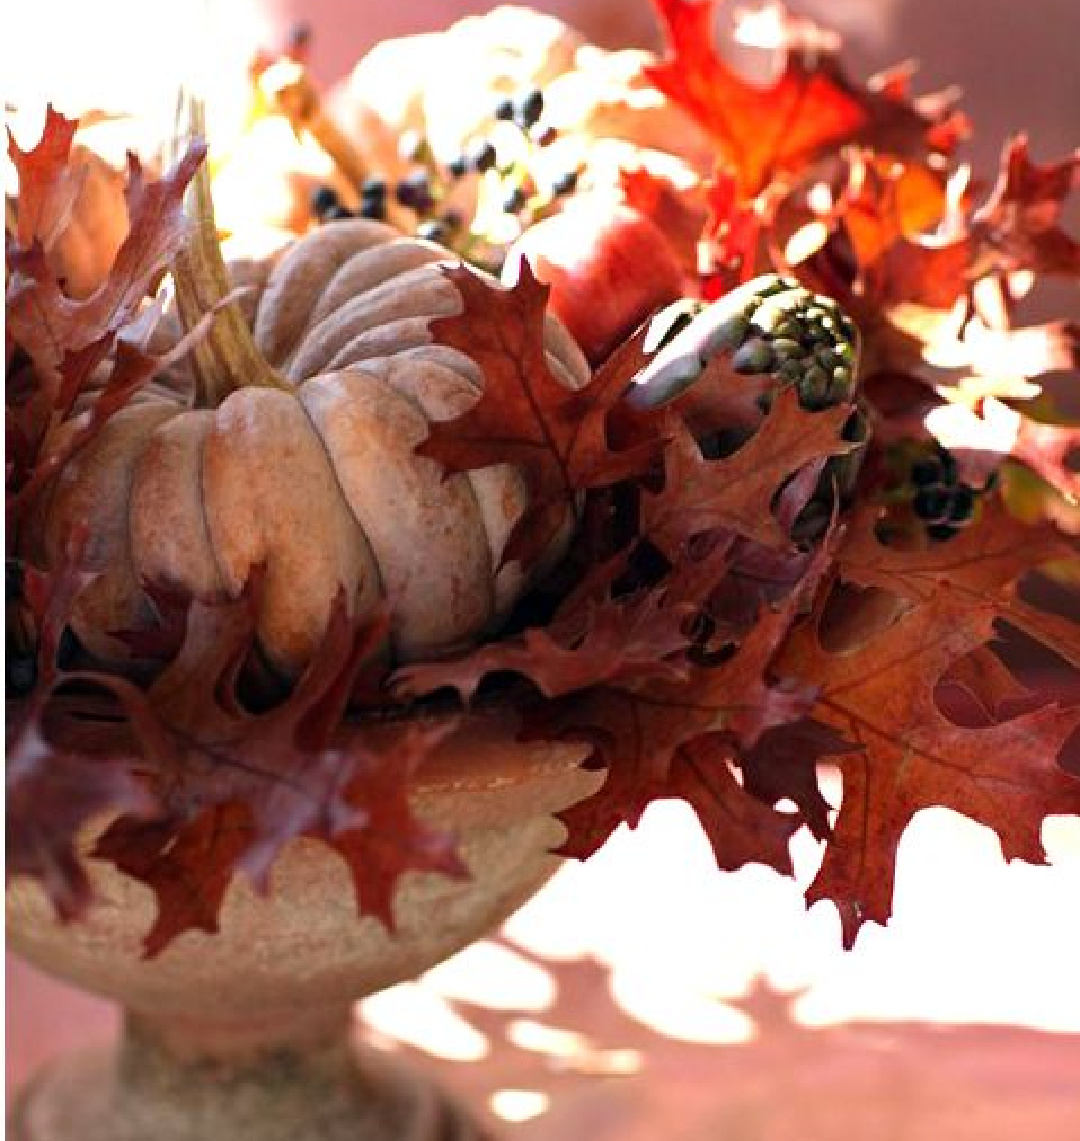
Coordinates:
[482,156]
[529,108]
[458,166]
[504,110]
[565,183]
[962,507]
[337,213]
[373,208]
[932,504]
[414,191]
[373,187]
[20,674]
[924,473]
[515,200]
[324,199]
[940,532]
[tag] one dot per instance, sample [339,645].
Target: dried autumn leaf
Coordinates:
[526,416]
[48,325]
[188,865]
[637,731]
[882,697]
[614,642]
[741,828]
[782,765]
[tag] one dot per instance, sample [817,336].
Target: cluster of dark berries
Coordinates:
[524,111]
[427,186]
[328,207]
[939,498]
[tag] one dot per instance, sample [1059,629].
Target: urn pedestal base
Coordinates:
[144,1091]
[243,1034]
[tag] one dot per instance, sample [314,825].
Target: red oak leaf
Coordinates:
[610,643]
[188,865]
[46,189]
[526,416]
[386,839]
[812,108]
[782,765]
[881,697]
[1020,221]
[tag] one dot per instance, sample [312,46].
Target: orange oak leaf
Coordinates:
[46,188]
[763,132]
[881,696]
[48,325]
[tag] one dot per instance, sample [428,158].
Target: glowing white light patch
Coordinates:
[517,1105]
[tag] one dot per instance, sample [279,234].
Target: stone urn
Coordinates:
[244,1035]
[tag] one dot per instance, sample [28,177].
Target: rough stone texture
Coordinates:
[244,1034]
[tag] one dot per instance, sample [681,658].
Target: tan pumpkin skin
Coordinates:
[320,485]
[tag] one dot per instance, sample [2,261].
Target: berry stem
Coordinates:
[227,359]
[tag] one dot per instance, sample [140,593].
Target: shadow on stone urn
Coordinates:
[245,1034]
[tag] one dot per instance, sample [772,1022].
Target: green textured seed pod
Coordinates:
[770,326]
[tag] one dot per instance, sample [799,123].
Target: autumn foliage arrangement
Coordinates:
[784,523]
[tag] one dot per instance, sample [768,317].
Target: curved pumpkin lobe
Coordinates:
[290,446]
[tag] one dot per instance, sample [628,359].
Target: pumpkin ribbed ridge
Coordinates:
[322,486]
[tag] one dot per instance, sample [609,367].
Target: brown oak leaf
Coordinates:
[233,787]
[560,439]
[741,828]
[737,492]
[983,566]
[881,696]
[637,731]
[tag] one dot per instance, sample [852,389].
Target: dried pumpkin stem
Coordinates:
[227,359]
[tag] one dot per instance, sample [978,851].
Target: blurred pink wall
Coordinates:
[1016,62]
